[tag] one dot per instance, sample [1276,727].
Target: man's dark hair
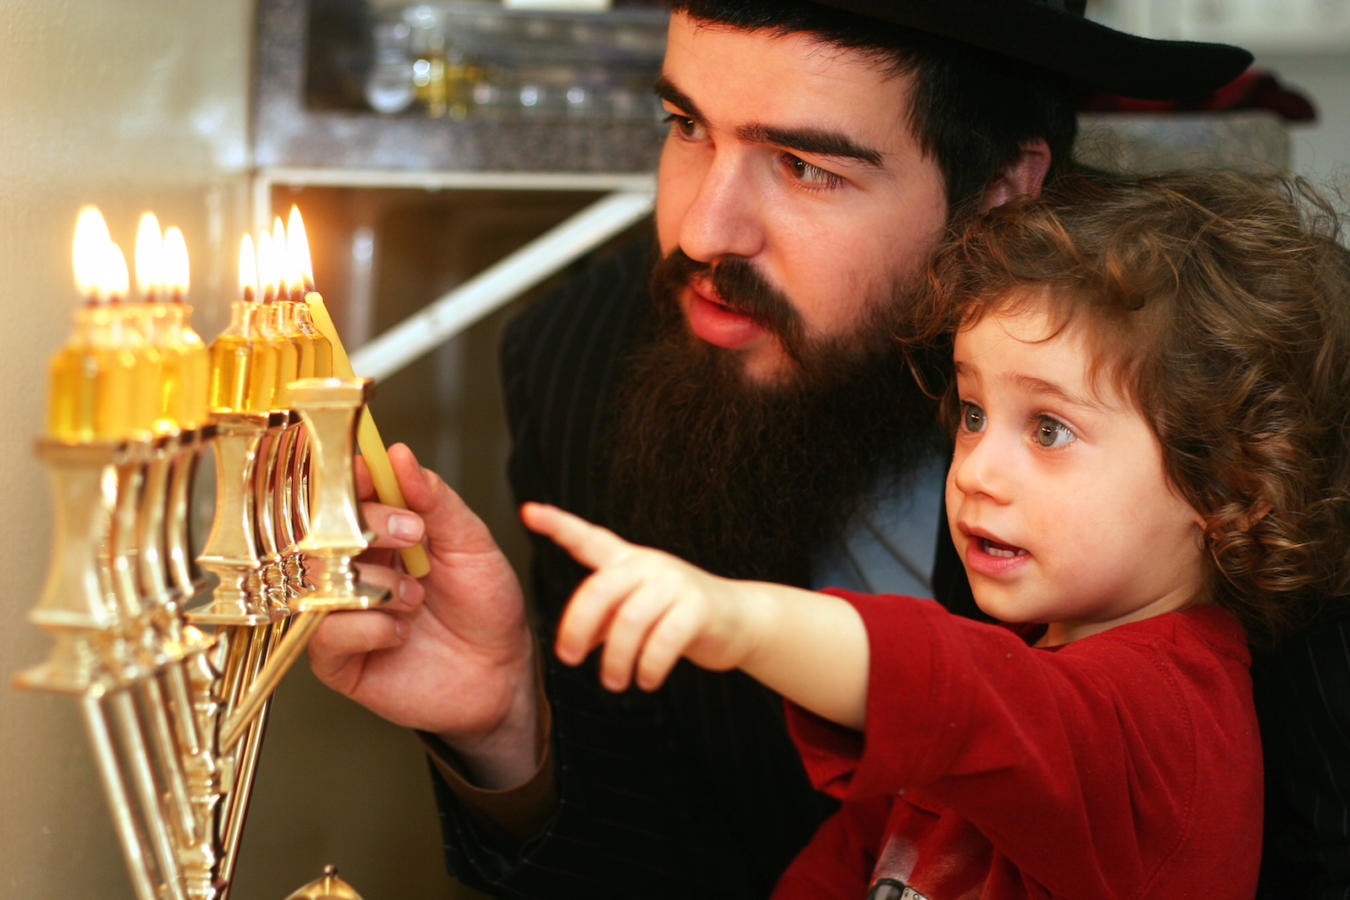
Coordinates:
[972,110]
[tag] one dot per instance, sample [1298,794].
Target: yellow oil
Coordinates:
[262,376]
[284,352]
[304,345]
[90,383]
[243,363]
[196,375]
[323,349]
[186,368]
[231,358]
[158,325]
[72,393]
[130,330]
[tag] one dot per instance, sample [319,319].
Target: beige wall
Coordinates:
[130,105]
[134,105]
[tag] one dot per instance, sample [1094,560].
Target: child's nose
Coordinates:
[980,467]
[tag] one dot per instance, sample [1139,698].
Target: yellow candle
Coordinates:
[368,437]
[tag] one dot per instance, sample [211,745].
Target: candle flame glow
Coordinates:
[281,259]
[267,267]
[248,270]
[149,256]
[91,236]
[297,248]
[115,279]
[174,263]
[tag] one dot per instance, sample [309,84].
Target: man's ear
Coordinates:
[1021,177]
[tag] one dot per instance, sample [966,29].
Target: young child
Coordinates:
[1151,411]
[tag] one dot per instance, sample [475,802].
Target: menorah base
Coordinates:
[327,887]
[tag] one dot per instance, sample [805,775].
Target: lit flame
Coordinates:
[91,236]
[114,279]
[280,261]
[248,269]
[174,263]
[297,248]
[267,267]
[149,256]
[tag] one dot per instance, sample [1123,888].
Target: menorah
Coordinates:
[174,657]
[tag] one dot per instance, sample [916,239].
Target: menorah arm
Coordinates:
[283,656]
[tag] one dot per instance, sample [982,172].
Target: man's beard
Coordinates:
[754,480]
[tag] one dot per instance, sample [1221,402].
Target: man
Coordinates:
[749,410]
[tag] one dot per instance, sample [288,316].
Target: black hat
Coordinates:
[1055,35]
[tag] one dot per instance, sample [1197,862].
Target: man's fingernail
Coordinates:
[404,527]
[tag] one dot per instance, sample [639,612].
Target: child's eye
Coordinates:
[1051,432]
[972,418]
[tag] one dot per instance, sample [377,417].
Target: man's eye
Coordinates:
[972,418]
[686,126]
[1051,432]
[809,175]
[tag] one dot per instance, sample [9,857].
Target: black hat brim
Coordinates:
[1053,38]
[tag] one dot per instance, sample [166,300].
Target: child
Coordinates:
[1151,405]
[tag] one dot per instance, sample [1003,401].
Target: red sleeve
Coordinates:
[1107,744]
[839,855]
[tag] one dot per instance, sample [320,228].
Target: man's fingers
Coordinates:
[339,645]
[405,592]
[392,527]
[448,523]
[589,544]
[365,487]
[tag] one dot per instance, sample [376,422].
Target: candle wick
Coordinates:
[248,295]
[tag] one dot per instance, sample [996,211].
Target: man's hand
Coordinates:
[647,607]
[450,653]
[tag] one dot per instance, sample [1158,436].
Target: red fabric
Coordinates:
[1126,764]
[1253,89]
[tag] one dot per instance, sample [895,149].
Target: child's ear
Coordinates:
[1260,509]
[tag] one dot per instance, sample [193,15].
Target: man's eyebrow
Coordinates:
[812,140]
[806,140]
[667,91]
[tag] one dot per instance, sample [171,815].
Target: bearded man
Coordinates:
[734,394]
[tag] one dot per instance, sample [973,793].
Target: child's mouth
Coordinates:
[1003,551]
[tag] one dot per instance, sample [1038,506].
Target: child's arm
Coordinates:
[650,608]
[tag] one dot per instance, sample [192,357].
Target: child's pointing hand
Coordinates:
[647,607]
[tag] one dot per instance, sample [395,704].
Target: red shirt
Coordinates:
[1125,764]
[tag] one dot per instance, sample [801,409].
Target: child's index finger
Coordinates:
[589,544]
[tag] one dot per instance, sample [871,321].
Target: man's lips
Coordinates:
[712,321]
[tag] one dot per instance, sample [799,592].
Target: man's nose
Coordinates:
[723,216]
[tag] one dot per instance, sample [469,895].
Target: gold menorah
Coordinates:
[175,659]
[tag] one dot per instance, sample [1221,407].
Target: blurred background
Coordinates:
[423,143]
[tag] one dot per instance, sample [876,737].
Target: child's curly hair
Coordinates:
[1220,303]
